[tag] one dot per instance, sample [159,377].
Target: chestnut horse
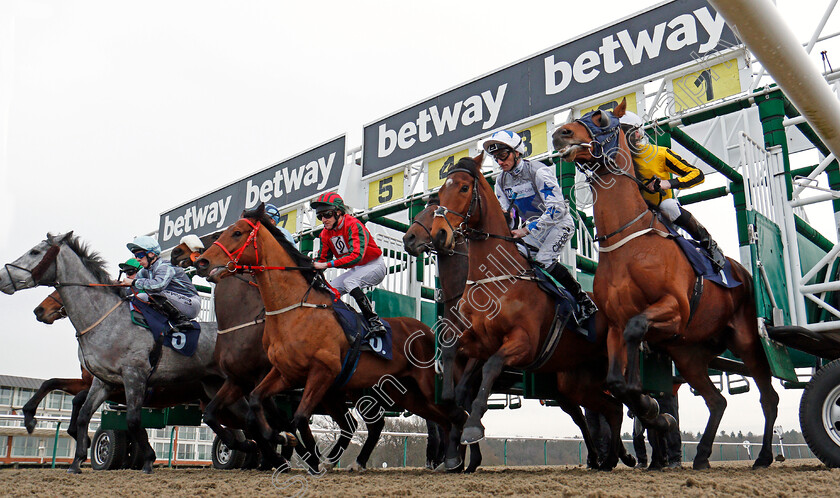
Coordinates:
[506,322]
[240,315]
[643,287]
[302,337]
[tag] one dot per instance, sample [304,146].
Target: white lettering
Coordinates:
[685,32]
[407,131]
[644,43]
[325,167]
[607,50]
[447,119]
[493,105]
[583,64]
[223,206]
[387,141]
[551,70]
[712,26]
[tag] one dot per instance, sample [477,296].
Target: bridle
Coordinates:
[604,147]
[442,211]
[61,312]
[233,266]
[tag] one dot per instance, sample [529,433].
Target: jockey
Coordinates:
[347,243]
[656,165]
[274,213]
[161,284]
[531,190]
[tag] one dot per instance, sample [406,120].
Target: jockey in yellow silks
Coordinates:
[656,166]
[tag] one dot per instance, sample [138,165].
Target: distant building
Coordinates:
[193,444]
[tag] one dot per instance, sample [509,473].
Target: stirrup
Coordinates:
[375,328]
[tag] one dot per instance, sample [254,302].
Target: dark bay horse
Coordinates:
[452,273]
[644,286]
[240,315]
[506,317]
[302,338]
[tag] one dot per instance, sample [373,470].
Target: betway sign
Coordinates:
[649,43]
[283,184]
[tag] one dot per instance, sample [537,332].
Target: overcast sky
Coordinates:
[113,112]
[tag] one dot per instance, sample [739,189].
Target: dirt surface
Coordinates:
[791,478]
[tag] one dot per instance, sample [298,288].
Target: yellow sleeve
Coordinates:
[687,175]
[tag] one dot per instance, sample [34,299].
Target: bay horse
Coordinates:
[302,337]
[240,315]
[452,273]
[643,288]
[504,324]
[113,349]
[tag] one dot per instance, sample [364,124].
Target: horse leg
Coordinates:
[273,383]
[226,396]
[465,393]
[317,385]
[70,386]
[134,383]
[432,444]
[336,408]
[574,411]
[99,392]
[694,371]
[374,429]
[749,348]
[447,359]
[78,401]
[473,429]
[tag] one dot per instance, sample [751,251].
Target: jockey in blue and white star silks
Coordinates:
[531,189]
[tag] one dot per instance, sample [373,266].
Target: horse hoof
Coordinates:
[249,446]
[760,464]
[30,424]
[652,411]
[147,469]
[356,467]
[701,465]
[325,467]
[440,468]
[472,435]
[454,465]
[287,439]
[74,470]
[628,460]
[671,422]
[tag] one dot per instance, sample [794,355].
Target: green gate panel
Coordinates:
[540,385]
[184,415]
[390,304]
[149,419]
[657,372]
[767,247]
[428,313]
[780,363]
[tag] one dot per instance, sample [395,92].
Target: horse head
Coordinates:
[236,246]
[460,202]
[190,249]
[593,140]
[418,237]
[50,309]
[36,266]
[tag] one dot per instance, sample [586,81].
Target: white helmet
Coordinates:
[636,136]
[193,243]
[504,139]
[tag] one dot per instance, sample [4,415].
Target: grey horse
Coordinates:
[111,347]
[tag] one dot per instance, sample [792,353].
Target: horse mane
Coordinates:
[299,258]
[468,164]
[92,261]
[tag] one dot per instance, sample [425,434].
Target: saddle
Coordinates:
[182,341]
[356,330]
[700,259]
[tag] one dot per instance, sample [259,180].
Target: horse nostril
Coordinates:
[38,311]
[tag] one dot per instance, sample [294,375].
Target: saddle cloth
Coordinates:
[700,260]
[184,342]
[353,325]
[566,305]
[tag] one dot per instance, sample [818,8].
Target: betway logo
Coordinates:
[465,112]
[195,217]
[290,179]
[681,32]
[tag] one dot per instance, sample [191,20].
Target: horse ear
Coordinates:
[261,209]
[479,159]
[621,108]
[58,239]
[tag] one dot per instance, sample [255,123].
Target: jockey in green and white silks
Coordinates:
[531,189]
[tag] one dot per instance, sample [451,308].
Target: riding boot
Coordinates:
[177,320]
[699,233]
[565,278]
[375,325]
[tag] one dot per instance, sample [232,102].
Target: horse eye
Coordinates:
[237,233]
[34,252]
[464,188]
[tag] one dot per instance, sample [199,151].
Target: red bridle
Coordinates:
[233,265]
